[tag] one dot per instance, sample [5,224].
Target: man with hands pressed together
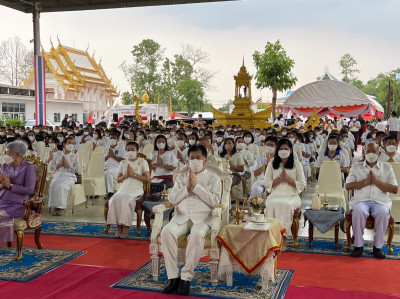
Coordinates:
[371,181]
[194,196]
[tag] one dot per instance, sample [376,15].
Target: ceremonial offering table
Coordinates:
[323,221]
[252,251]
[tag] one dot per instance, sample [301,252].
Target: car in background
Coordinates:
[32,122]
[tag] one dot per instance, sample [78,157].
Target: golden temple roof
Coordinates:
[74,68]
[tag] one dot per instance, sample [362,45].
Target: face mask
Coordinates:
[284,133]
[196,165]
[52,146]
[131,154]
[31,138]
[324,135]
[318,133]
[161,145]
[373,135]
[240,146]
[106,134]
[10,136]
[283,154]
[8,159]
[270,149]
[64,131]
[167,136]
[231,136]
[22,133]
[17,131]
[192,142]
[139,138]
[262,137]
[1,133]
[69,133]
[95,135]
[345,139]
[113,142]
[371,157]
[292,140]
[126,136]
[247,139]
[151,135]
[180,143]
[76,131]
[219,139]
[61,139]
[36,131]
[391,148]
[85,133]
[332,147]
[70,147]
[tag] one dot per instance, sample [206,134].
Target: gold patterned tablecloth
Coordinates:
[249,248]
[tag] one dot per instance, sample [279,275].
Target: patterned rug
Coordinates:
[86,229]
[327,246]
[34,263]
[243,286]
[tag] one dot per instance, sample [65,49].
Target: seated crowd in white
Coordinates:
[273,163]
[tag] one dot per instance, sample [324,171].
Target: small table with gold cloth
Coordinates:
[250,252]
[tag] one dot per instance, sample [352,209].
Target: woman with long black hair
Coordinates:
[284,181]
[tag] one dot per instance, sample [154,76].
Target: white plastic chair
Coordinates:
[94,182]
[330,183]
[76,196]
[261,150]
[42,154]
[148,148]
[98,149]
[395,197]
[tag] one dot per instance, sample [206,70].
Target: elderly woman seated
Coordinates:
[17,182]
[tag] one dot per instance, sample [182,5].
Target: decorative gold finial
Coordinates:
[58,40]
[93,54]
[101,58]
[87,49]
[145,98]
[51,42]
[243,60]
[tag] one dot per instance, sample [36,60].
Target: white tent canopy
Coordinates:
[328,96]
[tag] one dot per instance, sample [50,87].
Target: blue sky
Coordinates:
[314,33]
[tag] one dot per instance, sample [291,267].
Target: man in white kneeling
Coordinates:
[194,196]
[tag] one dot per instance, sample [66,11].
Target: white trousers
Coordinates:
[194,250]
[58,191]
[109,175]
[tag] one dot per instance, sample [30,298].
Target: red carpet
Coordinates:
[109,260]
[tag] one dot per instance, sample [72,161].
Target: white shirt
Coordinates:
[249,157]
[380,127]
[168,158]
[119,151]
[342,158]
[383,157]
[260,161]
[355,125]
[393,124]
[197,204]
[383,172]
[72,160]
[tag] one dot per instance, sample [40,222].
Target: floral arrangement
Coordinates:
[256,203]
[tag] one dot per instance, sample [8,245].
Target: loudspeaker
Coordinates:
[115,117]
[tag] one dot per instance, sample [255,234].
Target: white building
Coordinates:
[75,77]
[17,102]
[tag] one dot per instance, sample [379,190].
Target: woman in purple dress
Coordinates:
[17,182]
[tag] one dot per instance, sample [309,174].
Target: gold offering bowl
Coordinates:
[238,214]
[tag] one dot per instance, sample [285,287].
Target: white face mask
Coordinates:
[139,138]
[270,149]
[262,137]
[31,138]
[167,136]
[85,133]
[151,135]
[196,165]
[113,142]
[127,136]
[70,147]
[324,135]
[391,148]
[161,145]
[247,139]
[332,147]
[36,131]
[292,140]
[131,155]
[180,143]
[284,133]
[95,135]
[240,146]
[10,136]
[192,142]
[8,159]
[371,157]
[219,139]
[231,136]
[76,131]
[16,131]
[52,146]
[283,154]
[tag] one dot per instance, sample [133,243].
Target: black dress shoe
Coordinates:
[184,287]
[172,285]
[378,253]
[357,251]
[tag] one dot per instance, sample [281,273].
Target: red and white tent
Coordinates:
[332,97]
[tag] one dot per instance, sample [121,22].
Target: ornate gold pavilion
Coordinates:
[243,114]
[73,74]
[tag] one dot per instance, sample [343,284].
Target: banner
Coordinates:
[40,91]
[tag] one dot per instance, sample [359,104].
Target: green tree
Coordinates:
[191,94]
[348,67]
[144,73]
[274,71]
[127,98]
